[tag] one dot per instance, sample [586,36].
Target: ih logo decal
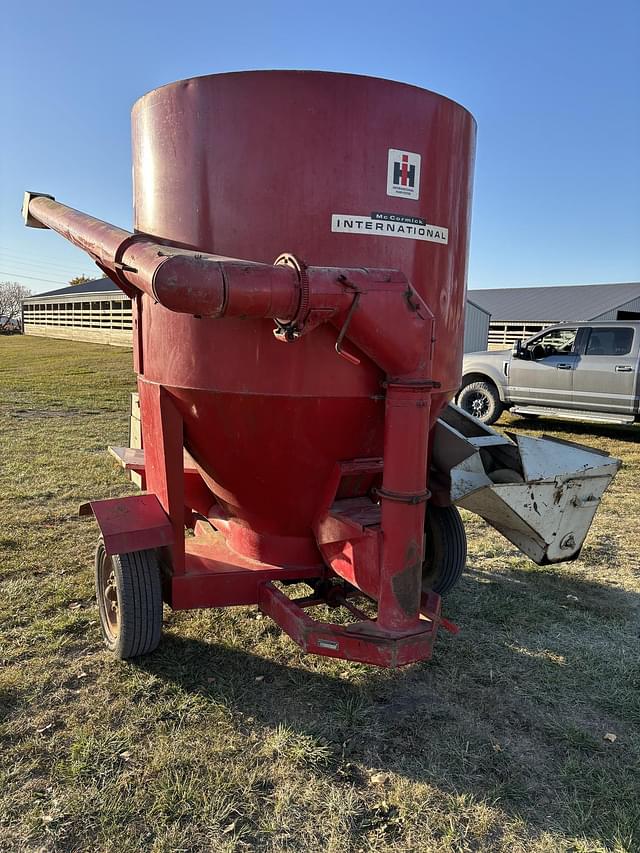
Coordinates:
[403,174]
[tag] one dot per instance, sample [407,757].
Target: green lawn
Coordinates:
[228,738]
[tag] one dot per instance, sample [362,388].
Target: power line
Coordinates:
[12,258]
[24,270]
[18,261]
[11,250]
[33,278]
[38,273]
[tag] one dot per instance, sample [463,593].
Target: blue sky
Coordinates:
[554,86]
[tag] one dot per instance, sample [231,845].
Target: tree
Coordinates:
[11,296]
[79,279]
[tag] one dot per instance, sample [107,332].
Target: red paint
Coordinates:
[404,180]
[132,523]
[246,166]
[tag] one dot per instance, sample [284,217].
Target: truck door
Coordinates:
[544,377]
[606,374]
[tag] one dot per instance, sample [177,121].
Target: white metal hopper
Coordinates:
[540,493]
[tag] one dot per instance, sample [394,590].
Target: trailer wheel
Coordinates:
[445,549]
[129,594]
[481,399]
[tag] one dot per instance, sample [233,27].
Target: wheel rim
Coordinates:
[109,597]
[477,405]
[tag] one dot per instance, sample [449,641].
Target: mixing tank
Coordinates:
[338,170]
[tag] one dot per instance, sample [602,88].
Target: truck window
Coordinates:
[554,342]
[610,341]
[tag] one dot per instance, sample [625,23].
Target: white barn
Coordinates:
[96,311]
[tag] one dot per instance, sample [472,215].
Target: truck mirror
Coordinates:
[517,349]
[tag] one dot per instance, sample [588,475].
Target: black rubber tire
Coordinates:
[136,628]
[445,549]
[481,399]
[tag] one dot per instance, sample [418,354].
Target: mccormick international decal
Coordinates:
[389,225]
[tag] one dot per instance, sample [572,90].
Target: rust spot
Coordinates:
[407,584]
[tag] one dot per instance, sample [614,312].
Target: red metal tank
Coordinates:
[339,170]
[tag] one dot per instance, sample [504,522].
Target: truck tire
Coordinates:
[445,551]
[129,594]
[481,399]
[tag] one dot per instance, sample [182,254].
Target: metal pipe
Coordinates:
[404,498]
[392,324]
[181,280]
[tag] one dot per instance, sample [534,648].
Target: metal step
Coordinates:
[574,415]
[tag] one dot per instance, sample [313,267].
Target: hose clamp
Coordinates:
[290,330]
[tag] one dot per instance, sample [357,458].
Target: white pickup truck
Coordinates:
[573,371]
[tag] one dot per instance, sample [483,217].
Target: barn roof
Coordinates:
[554,304]
[99,285]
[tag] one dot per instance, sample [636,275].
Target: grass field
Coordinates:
[227,738]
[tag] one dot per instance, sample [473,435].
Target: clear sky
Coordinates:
[554,86]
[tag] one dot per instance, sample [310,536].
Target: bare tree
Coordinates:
[11,296]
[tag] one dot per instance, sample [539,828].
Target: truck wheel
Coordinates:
[445,549]
[129,594]
[481,400]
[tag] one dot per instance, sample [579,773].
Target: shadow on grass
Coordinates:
[576,428]
[10,701]
[512,711]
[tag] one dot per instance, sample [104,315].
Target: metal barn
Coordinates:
[476,327]
[519,312]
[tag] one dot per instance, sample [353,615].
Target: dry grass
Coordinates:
[229,739]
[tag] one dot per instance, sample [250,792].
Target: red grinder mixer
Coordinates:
[297,271]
